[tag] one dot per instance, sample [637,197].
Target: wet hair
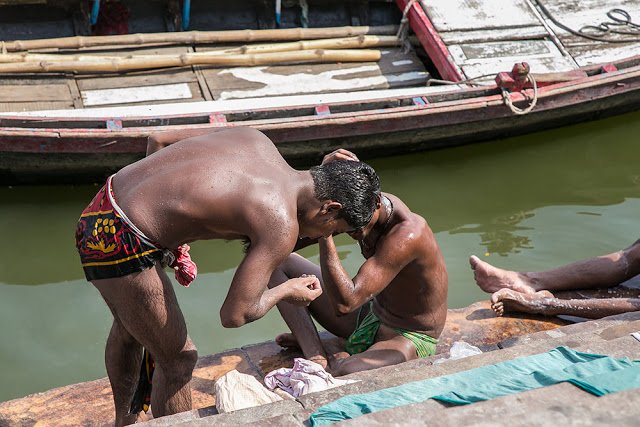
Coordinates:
[355,185]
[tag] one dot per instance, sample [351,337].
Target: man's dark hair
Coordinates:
[355,185]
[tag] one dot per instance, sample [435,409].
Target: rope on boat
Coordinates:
[620,21]
[534,100]
[403,29]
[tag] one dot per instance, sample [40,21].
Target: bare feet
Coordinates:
[510,300]
[492,279]
[287,340]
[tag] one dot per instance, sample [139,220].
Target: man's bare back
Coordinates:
[202,194]
[416,298]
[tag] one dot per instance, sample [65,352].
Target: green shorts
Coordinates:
[365,334]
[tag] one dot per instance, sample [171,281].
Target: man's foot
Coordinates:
[510,300]
[287,340]
[491,279]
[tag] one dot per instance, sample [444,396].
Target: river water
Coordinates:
[529,202]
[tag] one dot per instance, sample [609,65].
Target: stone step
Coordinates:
[605,336]
[555,405]
[578,337]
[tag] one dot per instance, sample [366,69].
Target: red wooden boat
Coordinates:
[573,72]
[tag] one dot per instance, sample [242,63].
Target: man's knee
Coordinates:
[180,367]
[632,254]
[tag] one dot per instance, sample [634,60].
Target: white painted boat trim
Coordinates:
[98,97]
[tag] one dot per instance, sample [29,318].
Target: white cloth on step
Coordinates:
[305,377]
[235,390]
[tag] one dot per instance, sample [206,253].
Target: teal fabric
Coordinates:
[595,373]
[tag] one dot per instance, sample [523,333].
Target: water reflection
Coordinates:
[499,237]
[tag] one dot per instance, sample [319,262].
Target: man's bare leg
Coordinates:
[604,271]
[298,319]
[545,303]
[123,355]
[146,306]
[391,350]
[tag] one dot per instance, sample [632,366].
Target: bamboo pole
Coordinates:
[195,37]
[150,62]
[342,43]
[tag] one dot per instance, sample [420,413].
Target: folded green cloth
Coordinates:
[597,374]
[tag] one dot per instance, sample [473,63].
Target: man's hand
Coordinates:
[302,290]
[340,154]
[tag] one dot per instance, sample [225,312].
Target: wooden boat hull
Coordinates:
[35,150]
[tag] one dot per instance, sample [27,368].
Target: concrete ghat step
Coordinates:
[605,336]
[555,405]
[624,322]
[587,335]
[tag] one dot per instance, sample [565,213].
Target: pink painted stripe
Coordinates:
[431,41]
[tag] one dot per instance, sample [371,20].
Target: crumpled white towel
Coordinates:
[305,377]
[235,390]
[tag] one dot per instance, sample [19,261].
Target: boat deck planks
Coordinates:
[395,69]
[489,36]
[576,14]
[149,82]
[37,94]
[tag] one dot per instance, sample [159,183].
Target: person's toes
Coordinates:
[473,261]
[545,294]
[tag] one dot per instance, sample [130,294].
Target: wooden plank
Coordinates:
[36,93]
[75,93]
[588,55]
[7,107]
[483,35]
[458,15]
[576,14]
[144,78]
[431,41]
[479,59]
[395,69]
[177,91]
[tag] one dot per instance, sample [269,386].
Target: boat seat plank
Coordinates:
[458,15]
[10,93]
[145,86]
[15,107]
[395,69]
[140,78]
[493,35]
[478,59]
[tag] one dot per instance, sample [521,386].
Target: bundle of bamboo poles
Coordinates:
[347,44]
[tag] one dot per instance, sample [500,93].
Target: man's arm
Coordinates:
[373,276]
[159,140]
[249,299]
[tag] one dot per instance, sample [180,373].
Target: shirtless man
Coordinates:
[395,307]
[534,292]
[232,184]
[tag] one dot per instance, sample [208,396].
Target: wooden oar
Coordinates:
[195,37]
[343,43]
[150,62]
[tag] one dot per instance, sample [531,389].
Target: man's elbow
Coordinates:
[345,308]
[232,321]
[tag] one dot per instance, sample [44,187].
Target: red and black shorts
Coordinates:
[107,245]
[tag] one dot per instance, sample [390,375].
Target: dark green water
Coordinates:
[527,203]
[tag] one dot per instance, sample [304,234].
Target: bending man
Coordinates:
[231,184]
[534,292]
[395,307]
